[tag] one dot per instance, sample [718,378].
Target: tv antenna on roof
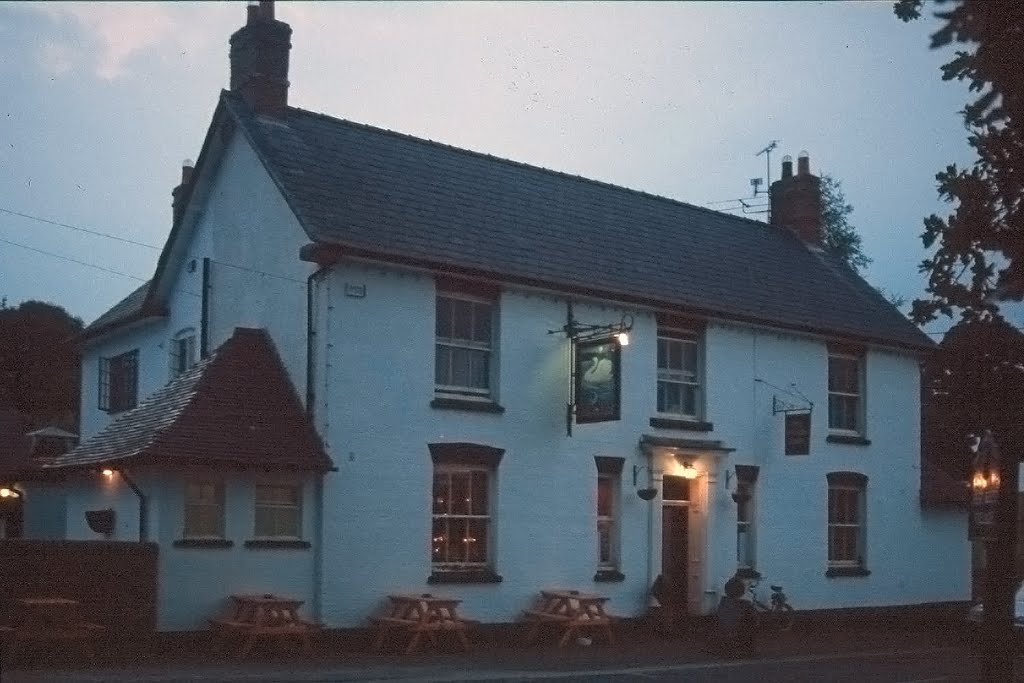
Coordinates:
[767,152]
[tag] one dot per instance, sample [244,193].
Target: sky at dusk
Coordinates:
[102,102]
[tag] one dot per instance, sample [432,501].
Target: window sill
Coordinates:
[609,576]
[849,439]
[276,544]
[748,573]
[203,543]
[682,425]
[463,576]
[837,572]
[466,404]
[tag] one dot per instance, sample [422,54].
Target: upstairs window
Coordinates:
[119,382]
[464,351]
[278,511]
[679,374]
[845,392]
[204,510]
[182,354]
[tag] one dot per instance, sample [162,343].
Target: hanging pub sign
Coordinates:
[798,433]
[597,391]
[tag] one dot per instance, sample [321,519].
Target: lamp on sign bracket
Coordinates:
[577,331]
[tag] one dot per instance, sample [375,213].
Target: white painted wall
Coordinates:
[374,381]
[195,582]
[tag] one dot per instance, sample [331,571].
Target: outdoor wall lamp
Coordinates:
[645,493]
[578,331]
[6,492]
[689,471]
[108,473]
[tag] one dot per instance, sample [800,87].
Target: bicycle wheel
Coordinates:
[782,616]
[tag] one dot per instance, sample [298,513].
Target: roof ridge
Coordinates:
[523,164]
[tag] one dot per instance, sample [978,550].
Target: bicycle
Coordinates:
[778,615]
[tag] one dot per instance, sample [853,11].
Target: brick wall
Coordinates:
[116,582]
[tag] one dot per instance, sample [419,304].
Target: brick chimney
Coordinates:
[259,60]
[179,193]
[796,200]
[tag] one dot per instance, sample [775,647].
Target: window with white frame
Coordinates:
[182,355]
[607,523]
[845,392]
[679,374]
[846,520]
[746,546]
[204,510]
[464,350]
[278,511]
[461,528]
[119,382]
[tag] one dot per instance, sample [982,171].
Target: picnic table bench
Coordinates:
[418,615]
[48,619]
[267,615]
[573,611]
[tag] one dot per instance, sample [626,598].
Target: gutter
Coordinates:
[143,506]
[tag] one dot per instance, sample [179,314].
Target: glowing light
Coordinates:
[979,482]
[108,473]
[623,338]
[8,493]
[689,471]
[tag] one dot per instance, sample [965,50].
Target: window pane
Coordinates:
[462,319]
[441,493]
[843,375]
[460,493]
[605,496]
[460,367]
[478,504]
[690,358]
[476,540]
[675,356]
[443,316]
[479,369]
[843,412]
[743,558]
[604,541]
[662,353]
[482,323]
[689,399]
[439,541]
[442,364]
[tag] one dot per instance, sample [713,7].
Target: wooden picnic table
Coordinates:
[574,612]
[419,614]
[43,619]
[266,615]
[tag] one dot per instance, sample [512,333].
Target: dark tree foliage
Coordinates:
[973,381]
[39,362]
[978,250]
[839,235]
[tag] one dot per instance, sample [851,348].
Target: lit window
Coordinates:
[278,511]
[119,382]
[607,532]
[182,354]
[745,525]
[845,404]
[204,510]
[679,374]
[846,519]
[461,529]
[464,344]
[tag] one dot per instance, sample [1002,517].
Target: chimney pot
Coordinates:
[252,11]
[787,166]
[187,168]
[803,163]
[267,9]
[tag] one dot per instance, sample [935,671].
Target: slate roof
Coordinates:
[129,307]
[236,408]
[392,196]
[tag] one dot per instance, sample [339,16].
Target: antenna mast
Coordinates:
[767,152]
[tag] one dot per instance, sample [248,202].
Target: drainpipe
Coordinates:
[204,315]
[318,492]
[143,506]
[311,339]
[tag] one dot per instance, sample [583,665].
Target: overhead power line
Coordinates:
[74,260]
[79,228]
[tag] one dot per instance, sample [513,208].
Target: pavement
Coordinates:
[497,655]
